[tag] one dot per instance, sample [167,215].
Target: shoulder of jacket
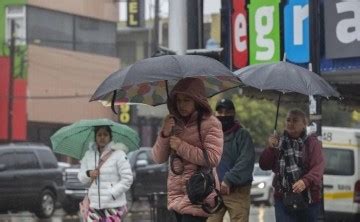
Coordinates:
[242,132]
[212,121]
[312,139]
[119,146]
[119,153]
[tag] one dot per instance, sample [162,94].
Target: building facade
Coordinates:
[64,50]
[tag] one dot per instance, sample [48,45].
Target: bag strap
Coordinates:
[102,161]
[206,156]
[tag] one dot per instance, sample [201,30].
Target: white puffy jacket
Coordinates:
[114,180]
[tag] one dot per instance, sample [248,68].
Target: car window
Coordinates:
[259,172]
[27,160]
[142,156]
[145,155]
[339,161]
[47,158]
[9,160]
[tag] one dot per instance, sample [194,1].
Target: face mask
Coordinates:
[226,121]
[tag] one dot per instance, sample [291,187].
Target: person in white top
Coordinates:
[110,183]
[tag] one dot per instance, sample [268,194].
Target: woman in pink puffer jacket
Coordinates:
[179,136]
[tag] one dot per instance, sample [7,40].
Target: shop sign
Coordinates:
[342,28]
[133,13]
[264,31]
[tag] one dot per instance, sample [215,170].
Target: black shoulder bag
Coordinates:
[202,183]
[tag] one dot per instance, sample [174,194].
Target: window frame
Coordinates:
[352,156]
[10,16]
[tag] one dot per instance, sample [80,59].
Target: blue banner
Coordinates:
[296,31]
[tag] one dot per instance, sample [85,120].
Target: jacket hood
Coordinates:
[195,89]
[111,145]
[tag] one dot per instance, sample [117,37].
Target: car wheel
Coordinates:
[70,206]
[46,204]
[271,200]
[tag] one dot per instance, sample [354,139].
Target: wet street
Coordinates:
[140,213]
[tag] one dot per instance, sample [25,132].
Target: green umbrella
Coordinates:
[73,140]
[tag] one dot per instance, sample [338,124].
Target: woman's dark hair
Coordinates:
[107,128]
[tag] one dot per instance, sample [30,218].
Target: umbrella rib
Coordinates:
[177,62]
[86,140]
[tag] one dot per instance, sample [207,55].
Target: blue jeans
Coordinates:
[309,215]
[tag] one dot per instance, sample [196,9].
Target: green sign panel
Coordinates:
[264,31]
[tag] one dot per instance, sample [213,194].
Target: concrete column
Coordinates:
[178,26]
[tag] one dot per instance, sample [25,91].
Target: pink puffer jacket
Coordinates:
[190,150]
[192,156]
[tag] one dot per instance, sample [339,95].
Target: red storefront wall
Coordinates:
[4,90]
[19,120]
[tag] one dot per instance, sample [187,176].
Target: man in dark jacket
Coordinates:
[236,166]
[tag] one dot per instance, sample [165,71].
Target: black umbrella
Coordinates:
[283,77]
[148,81]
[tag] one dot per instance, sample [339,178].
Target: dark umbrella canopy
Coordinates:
[149,80]
[284,78]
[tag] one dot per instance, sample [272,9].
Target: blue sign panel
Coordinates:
[296,31]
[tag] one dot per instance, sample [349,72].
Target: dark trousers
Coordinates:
[308,215]
[189,218]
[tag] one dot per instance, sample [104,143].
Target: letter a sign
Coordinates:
[342,28]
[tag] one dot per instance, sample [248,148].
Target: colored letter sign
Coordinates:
[264,31]
[239,34]
[342,28]
[296,31]
[133,13]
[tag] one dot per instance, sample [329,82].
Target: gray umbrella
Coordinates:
[149,81]
[284,77]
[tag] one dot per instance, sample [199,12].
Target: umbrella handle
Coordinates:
[277,112]
[274,132]
[113,102]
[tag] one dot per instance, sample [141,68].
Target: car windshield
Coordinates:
[339,161]
[260,172]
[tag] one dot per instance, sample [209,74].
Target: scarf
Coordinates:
[291,160]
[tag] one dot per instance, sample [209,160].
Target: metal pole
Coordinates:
[156,28]
[314,20]
[195,24]
[200,24]
[178,26]
[226,9]
[11,80]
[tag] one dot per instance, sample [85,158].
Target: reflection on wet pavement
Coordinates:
[140,212]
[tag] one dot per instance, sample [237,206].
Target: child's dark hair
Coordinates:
[107,128]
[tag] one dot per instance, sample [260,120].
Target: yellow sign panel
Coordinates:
[124,113]
[133,13]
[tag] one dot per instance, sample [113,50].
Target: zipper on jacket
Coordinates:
[112,194]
